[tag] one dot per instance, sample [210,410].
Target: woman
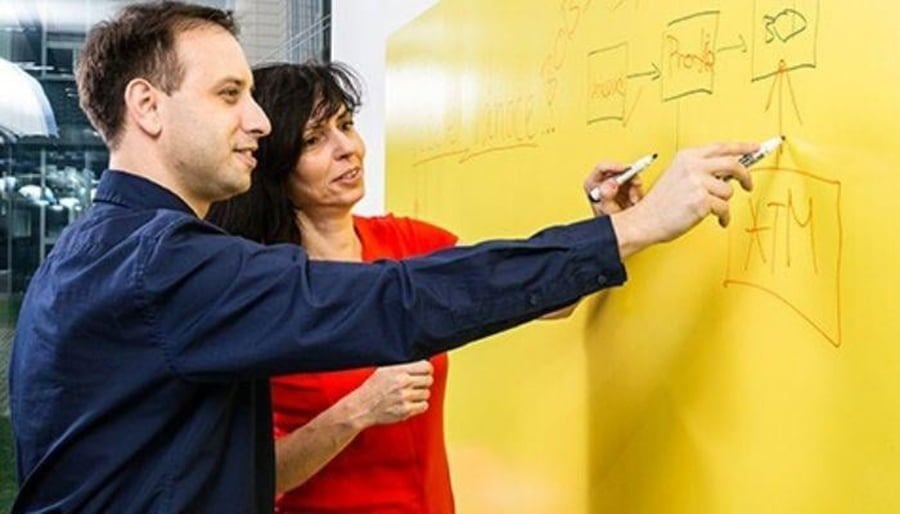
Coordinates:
[364,440]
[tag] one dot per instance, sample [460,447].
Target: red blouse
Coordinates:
[387,469]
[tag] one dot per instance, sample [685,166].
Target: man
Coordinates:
[145,341]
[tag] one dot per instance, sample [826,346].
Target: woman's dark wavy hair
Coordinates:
[290,95]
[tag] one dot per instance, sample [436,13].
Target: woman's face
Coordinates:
[329,172]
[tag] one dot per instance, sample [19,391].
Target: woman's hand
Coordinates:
[612,197]
[392,394]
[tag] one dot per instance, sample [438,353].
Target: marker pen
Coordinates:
[765,148]
[626,175]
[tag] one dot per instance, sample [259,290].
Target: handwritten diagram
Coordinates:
[689,55]
[609,80]
[784,37]
[691,47]
[784,40]
[607,83]
[786,242]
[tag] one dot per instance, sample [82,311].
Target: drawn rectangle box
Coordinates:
[607,83]
[787,243]
[689,55]
[784,37]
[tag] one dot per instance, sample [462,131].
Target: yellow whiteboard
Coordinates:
[749,370]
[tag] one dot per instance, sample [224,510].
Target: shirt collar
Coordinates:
[129,190]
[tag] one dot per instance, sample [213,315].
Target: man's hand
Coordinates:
[694,186]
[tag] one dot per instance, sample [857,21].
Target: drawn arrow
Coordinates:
[654,74]
[742,46]
[781,78]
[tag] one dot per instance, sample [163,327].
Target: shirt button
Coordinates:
[601,279]
[534,299]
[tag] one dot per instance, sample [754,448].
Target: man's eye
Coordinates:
[231,94]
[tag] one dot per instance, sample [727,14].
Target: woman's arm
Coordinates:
[391,394]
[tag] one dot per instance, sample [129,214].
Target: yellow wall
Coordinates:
[748,370]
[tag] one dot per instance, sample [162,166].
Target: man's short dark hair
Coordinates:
[138,42]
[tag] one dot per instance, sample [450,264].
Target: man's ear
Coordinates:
[142,106]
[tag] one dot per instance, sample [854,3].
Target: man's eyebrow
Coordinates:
[241,83]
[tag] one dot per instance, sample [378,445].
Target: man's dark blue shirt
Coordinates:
[139,375]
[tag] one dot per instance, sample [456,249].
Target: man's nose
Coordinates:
[255,120]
